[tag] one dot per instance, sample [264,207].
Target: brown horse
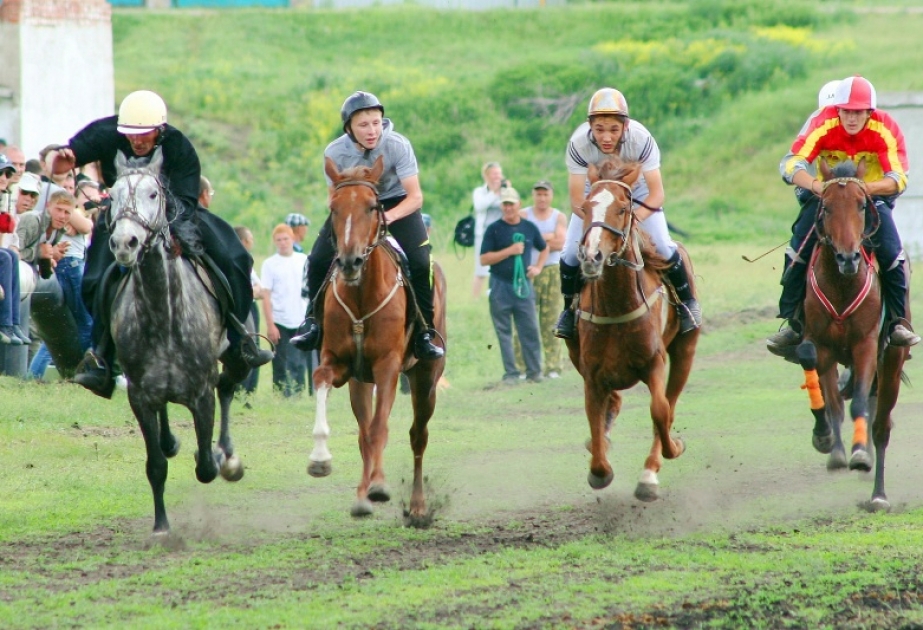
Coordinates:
[368,317]
[627,326]
[843,325]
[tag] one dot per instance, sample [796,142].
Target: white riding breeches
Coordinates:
[655,226]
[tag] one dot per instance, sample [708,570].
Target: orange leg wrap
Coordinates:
[860,432]
[812,384]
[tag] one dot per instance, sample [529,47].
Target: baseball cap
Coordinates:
[30,183]
[508,194]
[294,219]
[5,164]
[543,183]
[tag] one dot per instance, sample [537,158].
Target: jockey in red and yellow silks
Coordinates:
[881,143]
[853,129]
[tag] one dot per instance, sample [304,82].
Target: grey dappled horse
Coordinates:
[169,333]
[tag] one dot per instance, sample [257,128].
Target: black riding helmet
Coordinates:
[357,102]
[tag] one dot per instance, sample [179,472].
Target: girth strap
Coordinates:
[627,317]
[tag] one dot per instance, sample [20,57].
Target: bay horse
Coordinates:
[368,317]
[169,334]
[844,326]
[627,325]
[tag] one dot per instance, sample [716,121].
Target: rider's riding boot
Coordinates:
[689,311]
[566,327]
[423,346]
[308,337]
[793,289]
[894,286]
[94,373]
[252,354]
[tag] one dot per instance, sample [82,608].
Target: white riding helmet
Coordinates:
[827,94]
[607,101]
[141,112]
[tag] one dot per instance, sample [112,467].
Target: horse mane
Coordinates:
[616,169]
[359,172]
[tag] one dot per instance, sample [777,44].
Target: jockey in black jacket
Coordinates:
[137,131]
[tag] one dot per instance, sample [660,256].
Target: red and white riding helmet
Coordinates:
[856,93]
[827,94]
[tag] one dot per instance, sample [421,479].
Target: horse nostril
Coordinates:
[133,242]
[111,242]
[598,257]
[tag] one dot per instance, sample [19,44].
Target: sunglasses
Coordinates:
[8,172]
[29,193]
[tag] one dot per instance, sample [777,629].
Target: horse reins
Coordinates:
[616,258]
[379,208]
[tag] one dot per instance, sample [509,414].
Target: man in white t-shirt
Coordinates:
[283,309]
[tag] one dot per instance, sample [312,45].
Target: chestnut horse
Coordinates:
[368,319]
[843,325]
[627,325]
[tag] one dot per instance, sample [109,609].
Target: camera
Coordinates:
[504,183]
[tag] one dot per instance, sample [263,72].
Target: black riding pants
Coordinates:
[409,232]
[218,240]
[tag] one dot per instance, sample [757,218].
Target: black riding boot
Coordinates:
[244,344]
[689,311]
[894,287]
[424,347]
[94,371]
[566,328]
[793,290]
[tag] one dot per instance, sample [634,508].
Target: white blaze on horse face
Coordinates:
[601,202]
[348,231]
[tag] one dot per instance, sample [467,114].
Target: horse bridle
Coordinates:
[378,207]
[616,257]
[869,207]
[130,211]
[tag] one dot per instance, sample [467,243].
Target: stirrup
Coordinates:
[903,336]
[309,339]
[93,374]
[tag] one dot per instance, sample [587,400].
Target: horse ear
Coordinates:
[121,162]
[632,174]
[860,169]
[330,168]
[377,169]
[824,169]
[156,162]
[592,174]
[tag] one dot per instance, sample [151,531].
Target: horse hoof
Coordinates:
[418,521]
[836,460]
[319,469]
[166,540]
[232,469]
[379,493]
[598,483]
[823,443]
[361,508]
[879,504]
[647,492]
[173,450]
[860,460]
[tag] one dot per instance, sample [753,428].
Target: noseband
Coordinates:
[159,226]
[380,209]
[616,257]
[869,207]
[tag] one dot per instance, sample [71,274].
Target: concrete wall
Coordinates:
[57,71]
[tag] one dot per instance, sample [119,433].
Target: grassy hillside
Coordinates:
[724,86]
